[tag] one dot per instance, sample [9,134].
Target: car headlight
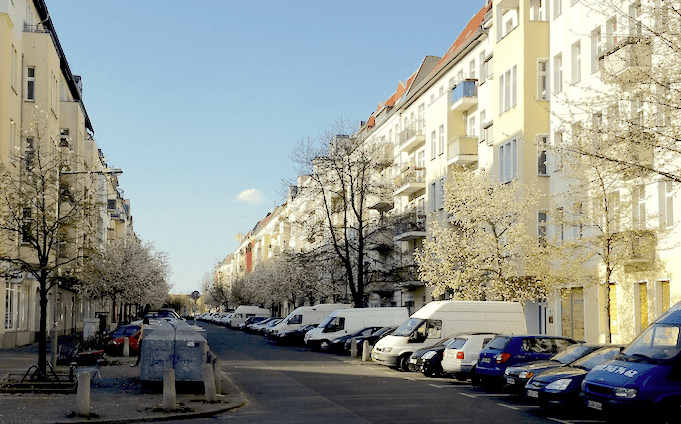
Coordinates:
[336,341]
[623,392]
[387,349]
[429,354]
[561,384]
[526,375]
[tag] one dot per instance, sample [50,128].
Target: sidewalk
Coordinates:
[118,398]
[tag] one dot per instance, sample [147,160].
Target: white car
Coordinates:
[461,355]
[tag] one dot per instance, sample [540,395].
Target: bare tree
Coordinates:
[344,171]
[47,213]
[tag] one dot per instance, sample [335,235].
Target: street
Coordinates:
[297,385]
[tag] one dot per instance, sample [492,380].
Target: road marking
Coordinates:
[508,406]
[409,378]
[438,386]
[468,395]
[494,395]
[576,421]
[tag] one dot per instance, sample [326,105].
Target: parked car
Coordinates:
[338,344]
[266,328]
[371,338]
[115,346]
[416,358]
[250,320]
[125,330]
[255,327]
[505,351]
[517,376]
[562,385]
[294,337]
[645,376]
[462,353]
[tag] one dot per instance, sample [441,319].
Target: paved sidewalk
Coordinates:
[118,398]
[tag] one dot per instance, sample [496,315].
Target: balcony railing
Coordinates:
[412,136]
[39,28]
[462,150]
[626,59]
[464,95]
[410,180]
[411,227]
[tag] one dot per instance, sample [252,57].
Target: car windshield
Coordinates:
[456,344]
[596,357]
[571,353]
[660,342]
[499,343]
[406,329]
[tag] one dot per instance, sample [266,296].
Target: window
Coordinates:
[421,112]
[29,153]
[16,306]
[542,79]
[55,93]
[433,145]
[666,202]
[64,139]
[596,49]
[433,197]
[542,148]
[30,84]
[442,139]
[482,126]
[508,161]
[557,8]
[441,91]
[639,207]
[538,10]
[489,68]
[576,62]
[296,319]
[14,77]
[558,73]
[613,216]
[542,228]
[441,194]
[508,90]
[26,225]
[666,295]
[635,19]
[390,136]
[611,32]
[481,63]
[471,69]
[488,132]
[643,304]
[560,224]
[471,126]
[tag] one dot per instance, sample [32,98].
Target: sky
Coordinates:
[200,102]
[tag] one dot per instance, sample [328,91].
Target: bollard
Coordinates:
[353,348]
[126,347]
[169,394]
[83,395]
[217,373]
[365,351]
[209,383]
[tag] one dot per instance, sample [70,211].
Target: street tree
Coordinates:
[126,271]
[46,212]
[486,251]
[344,173]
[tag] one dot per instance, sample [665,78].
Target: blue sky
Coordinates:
[200,102]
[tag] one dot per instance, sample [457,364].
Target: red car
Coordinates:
[115,346]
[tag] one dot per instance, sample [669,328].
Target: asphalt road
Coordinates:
[296,385]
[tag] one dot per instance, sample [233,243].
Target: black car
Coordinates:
[371,338]
[562,385]
[416,358]
[517,376]
[294,337]
[338,344]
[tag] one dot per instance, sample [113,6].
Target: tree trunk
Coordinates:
[42,331]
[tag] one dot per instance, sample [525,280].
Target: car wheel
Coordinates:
[325,345]
[403,362]
[427,371]
[475,378]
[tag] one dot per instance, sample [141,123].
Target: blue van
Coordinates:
[646,376]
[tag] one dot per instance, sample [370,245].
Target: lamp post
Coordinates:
[108,171]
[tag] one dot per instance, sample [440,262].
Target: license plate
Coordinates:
[532,393]
[509,380]
[485,360]
[595,405]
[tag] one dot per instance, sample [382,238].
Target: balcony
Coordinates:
[462,150]
[464,95]
[381,203]
[626,60]
[412,137]
[414,228]
[643,245]
[410,180]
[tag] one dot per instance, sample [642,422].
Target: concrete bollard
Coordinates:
[83,395]
[126,347]
[365,351]
[209,383]
[353,348]
[217,373]
[169,394]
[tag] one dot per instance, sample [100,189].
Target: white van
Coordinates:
[346,321]
[243,312]
[305,315]
[444,318]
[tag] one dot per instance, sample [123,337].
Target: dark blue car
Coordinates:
[645,377]
[505,351]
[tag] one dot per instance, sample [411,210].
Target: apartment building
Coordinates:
[37,88]
[594,48]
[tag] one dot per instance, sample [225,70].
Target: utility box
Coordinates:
[178,345]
